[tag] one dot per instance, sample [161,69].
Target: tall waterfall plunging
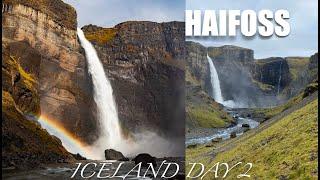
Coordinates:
[215,82]
[110,131]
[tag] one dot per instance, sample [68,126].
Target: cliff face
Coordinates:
[201,109]
[24,143]
[144,61]
[197,66]
[44,42]
[313,67]
[274,72]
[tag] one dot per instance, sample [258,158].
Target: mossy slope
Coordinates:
[288,149]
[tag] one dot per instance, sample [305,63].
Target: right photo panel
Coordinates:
[251,89]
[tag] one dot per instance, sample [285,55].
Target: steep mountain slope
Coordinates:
[24,143]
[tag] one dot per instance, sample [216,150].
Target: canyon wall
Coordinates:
[41,35]
[145,64]
[252,82]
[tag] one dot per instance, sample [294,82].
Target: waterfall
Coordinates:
[215,83]
[110,132]
[279,80]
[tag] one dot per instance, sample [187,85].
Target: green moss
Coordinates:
[101,36]
[297,65]
[287,148]
[208,117]
[264,87]
[27,78]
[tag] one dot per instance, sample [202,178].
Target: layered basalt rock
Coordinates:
[42,36]
[273,71]
[145,63]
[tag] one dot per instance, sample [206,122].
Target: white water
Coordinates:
[215,82]
[110,132]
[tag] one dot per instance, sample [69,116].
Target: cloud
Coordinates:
[302,40]
[108,13]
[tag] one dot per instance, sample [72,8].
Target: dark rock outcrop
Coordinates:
[313,67]
[111,154]
[144,159]
[78,157]
[273,71]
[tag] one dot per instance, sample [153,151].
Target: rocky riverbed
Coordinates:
[244,122]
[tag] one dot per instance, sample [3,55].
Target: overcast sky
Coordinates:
[108,13]
[302,40]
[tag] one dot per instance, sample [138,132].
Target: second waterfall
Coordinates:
[110,131]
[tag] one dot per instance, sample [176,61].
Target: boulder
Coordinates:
[144,159]
[111,154]
[246,125]
[216,140]
[78,157]
[233,135]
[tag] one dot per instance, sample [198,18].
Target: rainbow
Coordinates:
[72,143]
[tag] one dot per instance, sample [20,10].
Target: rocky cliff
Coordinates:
[201,109]
[42,36]
[274,72]
[144,61]
[313,67]
[24,143]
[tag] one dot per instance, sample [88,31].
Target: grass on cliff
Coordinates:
[101,36]
[286,150]
[27,78]
[264,87]
[23,137]
[208,117]
[297,65]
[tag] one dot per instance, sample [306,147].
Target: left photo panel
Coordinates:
[93,89]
